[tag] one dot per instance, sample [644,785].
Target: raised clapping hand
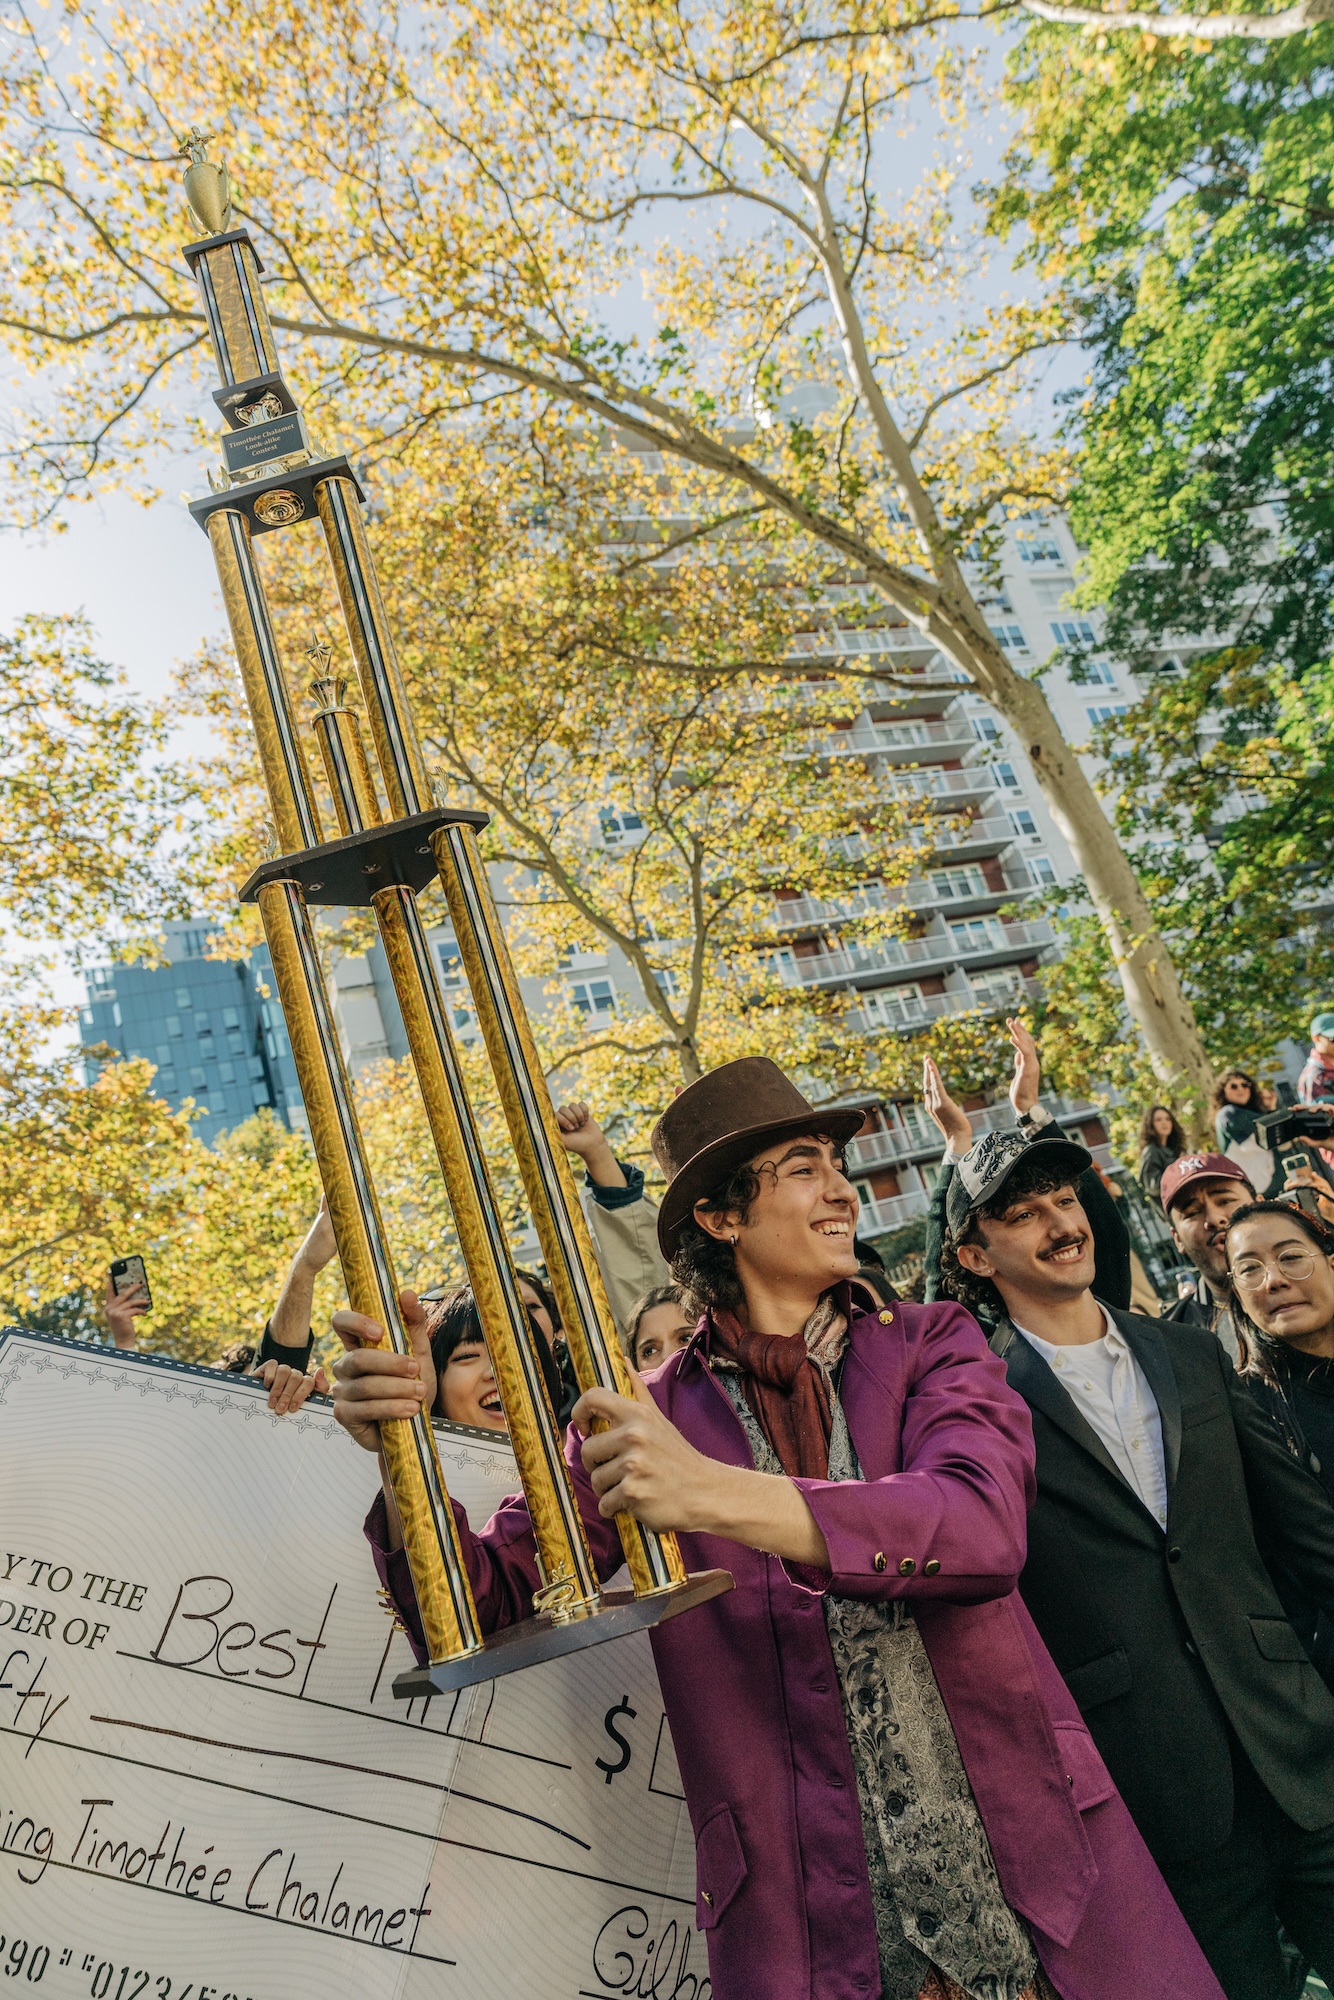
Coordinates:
[941,1108]
[1026,1083]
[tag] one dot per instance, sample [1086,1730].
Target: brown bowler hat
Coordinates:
[720,1122]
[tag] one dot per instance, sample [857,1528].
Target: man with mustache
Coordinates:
[1156,1482]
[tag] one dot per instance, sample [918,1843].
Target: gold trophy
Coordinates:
[272,478]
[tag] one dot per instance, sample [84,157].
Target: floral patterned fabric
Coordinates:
[940,1913]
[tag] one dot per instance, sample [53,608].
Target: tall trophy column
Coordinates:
[273,478]
[654,1560]
[569,1578]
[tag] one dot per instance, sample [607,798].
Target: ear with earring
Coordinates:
[732,1239]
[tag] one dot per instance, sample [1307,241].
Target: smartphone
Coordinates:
[126,1273]
[1297,1161]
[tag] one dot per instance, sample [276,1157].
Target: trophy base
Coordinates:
[349,871]
[616,1613]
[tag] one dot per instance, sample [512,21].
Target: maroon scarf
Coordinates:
[785,1390]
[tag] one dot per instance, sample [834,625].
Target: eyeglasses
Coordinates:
[1293,1265]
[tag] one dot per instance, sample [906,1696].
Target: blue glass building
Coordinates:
[212,1027]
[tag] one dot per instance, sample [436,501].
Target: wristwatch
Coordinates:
[1036,1121]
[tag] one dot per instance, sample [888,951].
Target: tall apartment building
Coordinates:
[212,1027]
[946,745]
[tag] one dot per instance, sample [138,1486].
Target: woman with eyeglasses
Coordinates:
[1281,1264]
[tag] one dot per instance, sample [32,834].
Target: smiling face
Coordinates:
[1039,1247]
[468,1392]
[663,1331]
[799,1230]
[1199,1218]
[1284,1281]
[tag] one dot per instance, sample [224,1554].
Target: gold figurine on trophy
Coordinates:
[273,478]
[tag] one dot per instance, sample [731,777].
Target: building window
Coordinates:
[895,1007]
[978,933]
[1022,821]
[183,998]
[1099,715]
[1073,632]
[174,1026]
[1101,672]
[998,982]
[230,1018]
[668,983]
[985,729]
[623,829]
[226,1072]
[1003,777]
[594,996]
[1042,872]
[1011,637]
[198,1081]
[1042,549]
[959,884]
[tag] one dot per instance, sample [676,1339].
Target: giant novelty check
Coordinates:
[207,1788]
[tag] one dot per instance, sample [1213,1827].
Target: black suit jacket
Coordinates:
[1168,1640]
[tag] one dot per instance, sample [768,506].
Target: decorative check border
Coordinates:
[23,1350]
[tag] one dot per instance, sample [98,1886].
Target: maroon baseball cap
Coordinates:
[1192,1167]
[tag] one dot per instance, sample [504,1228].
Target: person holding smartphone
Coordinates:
[127,1298]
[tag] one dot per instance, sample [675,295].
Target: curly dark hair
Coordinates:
[704,1268]
[1176,1138]
[1220,1097]
[1261,1354]
[980,1296]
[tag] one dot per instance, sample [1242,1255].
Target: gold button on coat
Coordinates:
[880,1559]
[932,1568]
[907,1566]
[886,1319]
[707,1894]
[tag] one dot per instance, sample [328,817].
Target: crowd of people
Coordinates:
[1026,1684]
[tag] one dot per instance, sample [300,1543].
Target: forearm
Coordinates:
[761,1510]
[289,1325]
[602,1165]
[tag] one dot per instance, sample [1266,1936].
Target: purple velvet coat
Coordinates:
[753,1700]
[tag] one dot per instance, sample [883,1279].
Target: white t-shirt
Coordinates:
[1111,1392]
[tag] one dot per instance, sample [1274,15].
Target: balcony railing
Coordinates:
[913,1137]
[952,788]
[872,739]
[996,941]
[909,1011]
[876,1217]
[800,912]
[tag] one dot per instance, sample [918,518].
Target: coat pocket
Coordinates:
[1085,1773]
[1099,1680]
[720,1867]
[1277,1640]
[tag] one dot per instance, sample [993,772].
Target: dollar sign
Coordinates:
[609,1724]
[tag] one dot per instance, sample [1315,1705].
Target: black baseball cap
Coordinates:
[984,1169]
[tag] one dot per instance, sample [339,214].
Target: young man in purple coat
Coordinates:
[892,1793]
